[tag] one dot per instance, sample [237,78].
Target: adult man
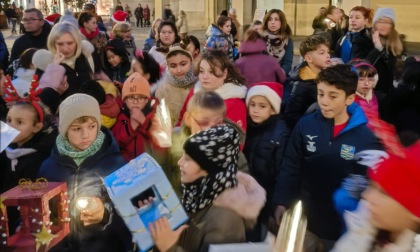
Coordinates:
[37,31]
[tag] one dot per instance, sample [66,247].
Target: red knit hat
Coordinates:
[400,178]
[119,16]
[51,18]
[272,91]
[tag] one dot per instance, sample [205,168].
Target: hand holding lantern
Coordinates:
[91,210]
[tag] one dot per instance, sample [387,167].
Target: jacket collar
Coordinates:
[226,91]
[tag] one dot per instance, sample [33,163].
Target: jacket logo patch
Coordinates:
[311,146]
[347,152]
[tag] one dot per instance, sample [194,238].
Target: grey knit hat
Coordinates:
[74,107]
[384,12]
[69,18]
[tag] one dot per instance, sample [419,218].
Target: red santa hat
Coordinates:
[51,18]
[272,91]
[399,177]
[119,16]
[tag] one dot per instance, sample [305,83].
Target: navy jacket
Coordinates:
[86,180]
[315,163]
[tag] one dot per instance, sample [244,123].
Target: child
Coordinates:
[364,92]
[257,26]
[217,74]
[83,155]
[191,44]
[320,152]
[217,198]
[315,52]
[24,72]
[117,62]
[220,38]
[146,65]
[265,142]
[134,121]
[388,218]
[178,80]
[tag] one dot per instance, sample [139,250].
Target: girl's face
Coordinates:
[357,21]
[23,120]
[167,35]
[226,28]
[82,135]
[335,15]
[383,26]
[136,101]
[258,28]
[365,84]
[136,67]
[66,45]
[113,59]
[195,52]
[190,170]
[91,25]
[179,65]
[203,118]
[207,77]
[259,109]
[386,213]
[274,23]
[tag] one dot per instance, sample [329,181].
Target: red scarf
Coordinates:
[89,36]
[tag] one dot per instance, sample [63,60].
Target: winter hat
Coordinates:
[215,149]
[51,18]
[69,18]
[178,48]
[119,16]
[384,12]
[74,107]
[272,91]
[400,178]
[136,85]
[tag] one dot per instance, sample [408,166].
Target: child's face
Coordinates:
[333,101]
[320,57]
[23,120]
[167,35]
[136,67]
[257,28]
[259,109]
[357,21]
[82,135]
[113,59]
[136,101]
[66,45]
[179,65]
[190,170]
[226,28]
[202,118]
[194,51]
[274,23]
[208,79]
[386,213]
[365,84]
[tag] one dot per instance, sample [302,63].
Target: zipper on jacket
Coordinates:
[331,132]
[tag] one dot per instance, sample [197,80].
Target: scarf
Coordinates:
[185,82]
[14,154]
[275,47]
[64,148]
[91,35]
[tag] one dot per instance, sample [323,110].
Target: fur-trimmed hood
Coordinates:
[226,91]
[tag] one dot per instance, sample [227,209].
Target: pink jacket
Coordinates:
[369,104]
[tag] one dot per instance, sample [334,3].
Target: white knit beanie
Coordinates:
[384,12]
[272,91]
[74,107]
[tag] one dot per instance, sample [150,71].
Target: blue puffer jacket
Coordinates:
[86,180]
[315,163]
[217,40]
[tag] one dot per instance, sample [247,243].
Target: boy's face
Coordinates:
[136,101]
[320,57]
[259,109]
[333,102]
[202,118]
[386,213]
[82,135]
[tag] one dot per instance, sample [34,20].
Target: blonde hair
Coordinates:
[206,100]
[84,119]
[392,41]
[60,29]
[119,28]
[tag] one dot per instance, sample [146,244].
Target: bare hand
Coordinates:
[90,217]
[278,213]
[137,115]
[64,85]
[162,234]
[58,57]
[377,41]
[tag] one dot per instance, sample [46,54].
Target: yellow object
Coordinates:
[109,88]
[43,237]
[108,121]
[2,206]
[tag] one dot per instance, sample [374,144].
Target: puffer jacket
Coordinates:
[217,40]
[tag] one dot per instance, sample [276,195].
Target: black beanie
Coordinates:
[93,88]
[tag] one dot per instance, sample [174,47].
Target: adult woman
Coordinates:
[146,15]
[123,31]
[182,24]
[219,37]
[387,47]
[151,40]
[277,35]
[167,36]
[89,28]
[333,32]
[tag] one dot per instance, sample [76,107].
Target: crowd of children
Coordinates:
[250,134]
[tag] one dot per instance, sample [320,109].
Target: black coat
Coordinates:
[361,41]
[384,62]
[86,180]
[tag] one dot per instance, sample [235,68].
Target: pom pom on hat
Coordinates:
[272,91]
[69,18]
[119,16]
[399,177]
[74,107]
[384,12]
[136,84]
[52,18]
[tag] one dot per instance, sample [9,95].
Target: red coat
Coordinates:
[146,13]
[234,97]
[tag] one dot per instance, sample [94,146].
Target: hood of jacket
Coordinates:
[226,91]
[110,107]
[246,200]
[250,47]
[213,30]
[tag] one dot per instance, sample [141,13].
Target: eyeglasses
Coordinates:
[29,20]
[137,98]
[364,79]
